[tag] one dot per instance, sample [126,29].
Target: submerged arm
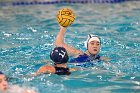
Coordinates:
[73,69]
[44,69]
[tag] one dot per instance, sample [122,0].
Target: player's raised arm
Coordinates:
[60,42]
[65,17]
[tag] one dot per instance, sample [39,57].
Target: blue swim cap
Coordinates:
[1,72]
[59,55]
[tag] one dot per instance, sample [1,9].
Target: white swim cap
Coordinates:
[90,38]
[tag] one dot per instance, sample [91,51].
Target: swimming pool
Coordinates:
[27,34]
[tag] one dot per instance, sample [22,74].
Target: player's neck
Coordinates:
[89,54]
[61,65]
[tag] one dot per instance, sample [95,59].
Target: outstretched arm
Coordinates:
[60,42]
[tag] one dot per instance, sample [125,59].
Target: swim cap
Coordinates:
[59,55]
[90,38]
[1,72]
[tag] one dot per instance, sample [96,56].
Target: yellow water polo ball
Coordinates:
[65,17]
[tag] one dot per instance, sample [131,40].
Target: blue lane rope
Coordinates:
[61,2]
[67,1]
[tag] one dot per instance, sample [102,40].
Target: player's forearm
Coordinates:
[60,37]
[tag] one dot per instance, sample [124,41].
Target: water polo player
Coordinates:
[93,44]
[60,58]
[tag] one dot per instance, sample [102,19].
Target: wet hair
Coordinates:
[1,73]
[59,55]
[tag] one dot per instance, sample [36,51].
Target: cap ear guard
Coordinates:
[86,42]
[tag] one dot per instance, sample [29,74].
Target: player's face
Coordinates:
[94,47]
[3,82]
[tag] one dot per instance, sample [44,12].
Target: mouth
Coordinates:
[5,88]
[95,49]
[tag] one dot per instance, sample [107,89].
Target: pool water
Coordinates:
[27,34]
